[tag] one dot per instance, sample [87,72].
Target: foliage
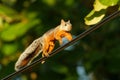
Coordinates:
[99,10]
[22,21]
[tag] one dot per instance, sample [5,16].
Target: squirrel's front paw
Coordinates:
[42,62]
[46,55]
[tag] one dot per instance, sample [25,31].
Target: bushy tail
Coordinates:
[29,54]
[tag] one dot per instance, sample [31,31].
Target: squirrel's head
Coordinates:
[67,26]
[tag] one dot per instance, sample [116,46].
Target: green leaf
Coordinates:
[7,11]
[96,14]
[109,2]
[69,2]
[8,14]
[9,49]
[49,2]
[94,17]
[98,6]
[9,2]
[17,30]
[60,69]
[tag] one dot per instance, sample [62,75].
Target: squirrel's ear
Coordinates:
[62,21]
[68,21]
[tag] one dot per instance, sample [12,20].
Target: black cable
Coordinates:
[80,36]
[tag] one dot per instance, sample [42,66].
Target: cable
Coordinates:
[80,36]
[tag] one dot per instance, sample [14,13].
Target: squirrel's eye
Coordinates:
[65,24]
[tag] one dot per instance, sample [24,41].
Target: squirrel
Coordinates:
[45,44]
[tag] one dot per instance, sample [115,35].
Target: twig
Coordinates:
[80,36]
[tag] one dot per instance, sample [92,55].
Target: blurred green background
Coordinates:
[95,57]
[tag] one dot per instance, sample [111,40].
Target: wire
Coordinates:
[80,36]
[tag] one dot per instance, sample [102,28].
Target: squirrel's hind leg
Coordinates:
[49,50]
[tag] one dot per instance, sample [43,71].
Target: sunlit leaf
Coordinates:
[98,6]
[96,14]
[94,17]
[109,2]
